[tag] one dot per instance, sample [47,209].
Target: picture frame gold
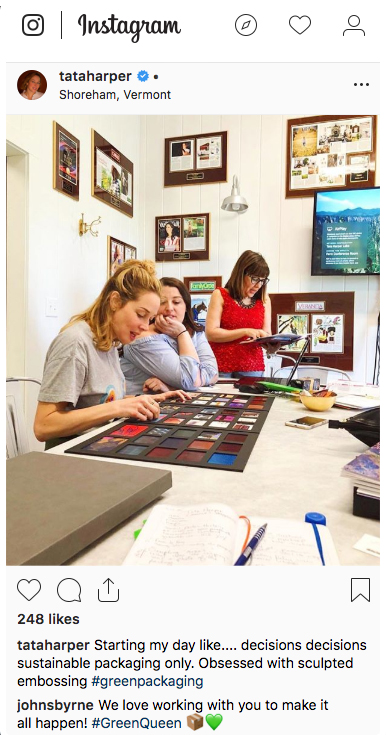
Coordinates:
[320,151]
[66,160]
[112,175]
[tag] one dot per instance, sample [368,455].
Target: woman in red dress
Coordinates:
[237,315]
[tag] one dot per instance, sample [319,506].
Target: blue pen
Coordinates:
[250,547]
[317,519]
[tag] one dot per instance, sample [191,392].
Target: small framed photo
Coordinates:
[182,237]
[168,236]
[117,252]
[196,159]
[181,155]
[112,175]
[200,304]
[66,149]
[293,324]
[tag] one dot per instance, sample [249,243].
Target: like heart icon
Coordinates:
[29,588]
[214,721]
[300,23]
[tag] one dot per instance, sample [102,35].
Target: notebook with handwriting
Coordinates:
[213,534]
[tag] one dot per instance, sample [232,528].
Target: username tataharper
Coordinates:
[112,24]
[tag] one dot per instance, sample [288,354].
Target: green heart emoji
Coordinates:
[214,721]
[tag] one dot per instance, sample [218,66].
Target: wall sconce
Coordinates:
[235,203]
[83,227]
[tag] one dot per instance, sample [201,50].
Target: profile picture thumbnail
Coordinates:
[32,84]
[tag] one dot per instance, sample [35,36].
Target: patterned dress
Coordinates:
[233,356]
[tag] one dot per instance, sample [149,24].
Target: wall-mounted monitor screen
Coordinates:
[346,233]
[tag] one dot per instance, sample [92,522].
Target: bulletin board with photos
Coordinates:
[182,237]
[196,159]
[201,289]
[328,319]
[112,175]
[330,152]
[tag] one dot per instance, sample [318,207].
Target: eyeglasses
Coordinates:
[256,279]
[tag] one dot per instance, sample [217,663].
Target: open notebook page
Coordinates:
[190,535]
[288,542]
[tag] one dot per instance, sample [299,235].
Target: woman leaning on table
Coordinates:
[83,385]
[174,351]
[240,311]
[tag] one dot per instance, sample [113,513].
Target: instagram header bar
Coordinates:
[175,31]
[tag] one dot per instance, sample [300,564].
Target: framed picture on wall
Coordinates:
[182,237]
[327,316]
[201,289]
[66,150]
[112,175]
[196,159]
[327,152]
[117,252]
[293,324]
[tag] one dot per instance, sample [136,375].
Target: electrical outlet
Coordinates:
[51,307]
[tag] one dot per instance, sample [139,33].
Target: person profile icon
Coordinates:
[353,22]
[32,84]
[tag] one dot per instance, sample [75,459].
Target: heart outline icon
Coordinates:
[293,22]
[214,721]
[36,586]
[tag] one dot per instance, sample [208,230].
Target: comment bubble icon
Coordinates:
[69,590]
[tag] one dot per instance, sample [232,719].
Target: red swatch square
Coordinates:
[129,430]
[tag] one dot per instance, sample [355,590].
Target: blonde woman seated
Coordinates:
[174,351]
[83,385]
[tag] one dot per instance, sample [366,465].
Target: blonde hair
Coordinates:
[130,280]
[28,79]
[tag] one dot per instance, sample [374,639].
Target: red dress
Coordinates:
[232,356]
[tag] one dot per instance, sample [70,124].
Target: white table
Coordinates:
[289,473]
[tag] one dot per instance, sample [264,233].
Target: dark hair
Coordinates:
[174,234]
[188,320]
[248,264]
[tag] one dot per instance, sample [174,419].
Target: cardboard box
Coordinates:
[57,505]
[195,722]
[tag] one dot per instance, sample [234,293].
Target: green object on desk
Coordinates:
[276,386]
[136,533]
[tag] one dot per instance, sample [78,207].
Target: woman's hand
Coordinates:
[144,408]
[169,326]
[255,333]
[156,385]
[182,395]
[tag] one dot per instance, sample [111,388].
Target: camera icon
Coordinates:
[32,25]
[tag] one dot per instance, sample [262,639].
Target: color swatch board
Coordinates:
[213,430]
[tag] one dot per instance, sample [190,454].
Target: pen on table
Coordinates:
[250,547]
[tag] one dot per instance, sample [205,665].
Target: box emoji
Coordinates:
[195,721]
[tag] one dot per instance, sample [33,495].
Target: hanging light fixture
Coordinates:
[235,203]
